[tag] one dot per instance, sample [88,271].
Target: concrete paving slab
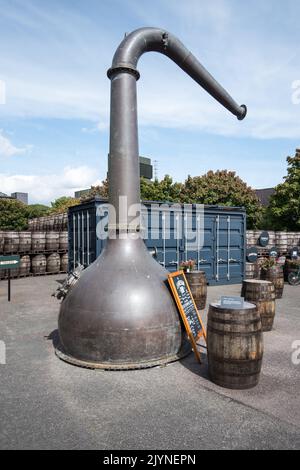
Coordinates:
[48,404]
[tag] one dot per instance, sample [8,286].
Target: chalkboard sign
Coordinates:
[187,308]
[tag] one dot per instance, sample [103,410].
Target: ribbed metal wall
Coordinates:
[221,255]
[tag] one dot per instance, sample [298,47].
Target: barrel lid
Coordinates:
[252,254]
[247,306]
[294,252]
[264,239]
[273,252]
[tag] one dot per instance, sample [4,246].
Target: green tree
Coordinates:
[284,207]
[13,215]
[164,190]
[37,210]
[62,204]
[223,188]
[100,191]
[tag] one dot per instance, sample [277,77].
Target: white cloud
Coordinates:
[100,127]
[7,149]
[45,188]
[257,65]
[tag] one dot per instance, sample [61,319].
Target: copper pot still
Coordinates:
[120,314]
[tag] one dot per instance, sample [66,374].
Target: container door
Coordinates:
[229,249]
[236,249]
[206,253]
[171,227]
[152,232]
[198,238]
[169,250]
[222,248]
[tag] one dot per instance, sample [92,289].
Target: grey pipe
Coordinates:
[124,153]
[144,40]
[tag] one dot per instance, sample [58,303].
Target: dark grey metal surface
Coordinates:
[121,311]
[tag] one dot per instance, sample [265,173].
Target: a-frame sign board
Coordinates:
[187,308]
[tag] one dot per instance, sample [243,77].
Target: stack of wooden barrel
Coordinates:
[57,222]
[40,252]
[283,241]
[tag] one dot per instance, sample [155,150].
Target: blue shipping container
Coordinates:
[215,240]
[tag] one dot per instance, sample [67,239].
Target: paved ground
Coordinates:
[48,404]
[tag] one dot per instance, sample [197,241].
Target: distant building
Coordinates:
[146,171]
[5,196]
[82,192]
[264,195]
[23,197]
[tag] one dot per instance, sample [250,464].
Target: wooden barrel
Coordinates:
[38,241]
[198,285]
[65,221]
[292,239]
[281,242]
[14,272]
[1,242]
[234,346]
[38,264]
[262,294]
[63,240]
[252,271]
[64,262]
[275,275]
[11,242]
[291,266]
[25,242]
[272,240]
[25,264]
[52,241]
[251,238]
[2,274]
[53,263]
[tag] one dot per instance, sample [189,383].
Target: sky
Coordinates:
[55,95]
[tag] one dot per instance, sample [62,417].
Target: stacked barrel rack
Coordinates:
[43,249]
[284,242]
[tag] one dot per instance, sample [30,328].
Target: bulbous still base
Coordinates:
[121,314]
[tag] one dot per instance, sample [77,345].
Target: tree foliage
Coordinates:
[37,210]
[215,188]
[164,190]
[284,209]
[13,215]
[223,188]
[62,204]
[100,191]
